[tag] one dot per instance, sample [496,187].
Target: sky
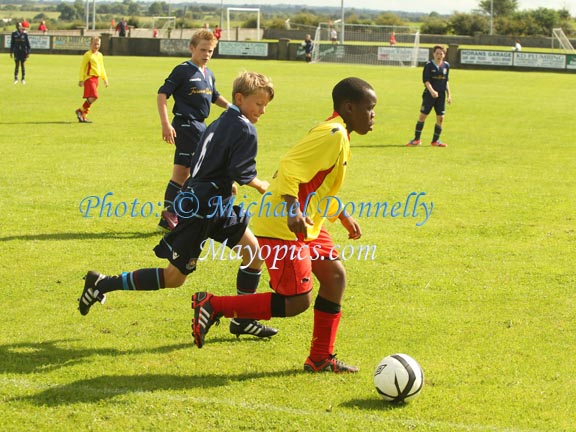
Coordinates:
[426,6]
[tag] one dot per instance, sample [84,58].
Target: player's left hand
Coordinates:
[354,231]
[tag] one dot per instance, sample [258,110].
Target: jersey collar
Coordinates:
[339,119]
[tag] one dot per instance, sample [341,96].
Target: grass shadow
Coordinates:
[109,386]
[372,404]
[81,236]
[29,358]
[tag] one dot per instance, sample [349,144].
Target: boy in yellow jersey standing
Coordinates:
[91,69]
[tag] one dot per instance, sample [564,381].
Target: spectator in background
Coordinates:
[155,33]
[517,46]
[42,27]
[308,48]
[25,24]
[333,36]
[393,39]
[217,32]
[122,27]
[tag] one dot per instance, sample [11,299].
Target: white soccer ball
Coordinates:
[398,378]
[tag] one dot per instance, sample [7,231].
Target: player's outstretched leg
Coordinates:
[204,317]
[243,326]
[330,364]
[91,294]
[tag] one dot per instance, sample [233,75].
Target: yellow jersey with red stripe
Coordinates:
[92,65]
[313,171]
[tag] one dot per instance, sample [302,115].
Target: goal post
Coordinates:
[559,35]
[368,44]
[164,23]
[240,9]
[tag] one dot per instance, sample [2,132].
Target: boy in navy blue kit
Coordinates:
[226,154]
[436,94]
[20,50]
[193,87]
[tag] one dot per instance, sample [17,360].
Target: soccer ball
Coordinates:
[398,378]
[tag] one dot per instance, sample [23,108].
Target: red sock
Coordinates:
[324,336]
[85,108]
[255,306]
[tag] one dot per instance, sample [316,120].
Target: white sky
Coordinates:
[426,6]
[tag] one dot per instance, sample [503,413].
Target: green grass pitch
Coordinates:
[481,294]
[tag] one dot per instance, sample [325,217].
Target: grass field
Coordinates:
[481,294]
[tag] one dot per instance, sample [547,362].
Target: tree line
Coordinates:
[491,16]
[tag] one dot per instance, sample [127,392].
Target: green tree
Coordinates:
[158,9]
[468,24]
[388,19]
[547,19]
[501,7]
[133,9]
[67,12]
[437,26]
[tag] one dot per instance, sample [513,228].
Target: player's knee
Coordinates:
[298,304]
[173,278]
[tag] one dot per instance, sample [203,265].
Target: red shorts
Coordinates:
[289,262]
[91,88]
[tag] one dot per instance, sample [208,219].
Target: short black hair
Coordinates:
[351,89]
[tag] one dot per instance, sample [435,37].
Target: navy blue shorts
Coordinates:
[188,133]
[428,102]
[191,239]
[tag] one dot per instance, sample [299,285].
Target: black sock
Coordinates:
[247,281]
[172,189]
[418,131]
[327,306]
[437,132]
[150,279]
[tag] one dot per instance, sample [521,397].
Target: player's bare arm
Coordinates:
[222,102]
[168,132]
[297,222]
[260,185]
[433,92]
[354,231]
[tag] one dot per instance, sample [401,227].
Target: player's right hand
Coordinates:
[168,134]
[299,223]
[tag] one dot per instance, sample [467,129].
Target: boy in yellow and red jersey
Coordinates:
[91,69]
[297,245]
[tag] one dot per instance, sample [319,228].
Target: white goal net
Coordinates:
[164,25]
[559,35]
[368,44]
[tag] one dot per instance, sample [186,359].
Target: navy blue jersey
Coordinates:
[225,154]
[193,91]
[436,75]
[19,45]
[308,46]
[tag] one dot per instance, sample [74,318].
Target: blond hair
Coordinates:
[249,83]
[201,35]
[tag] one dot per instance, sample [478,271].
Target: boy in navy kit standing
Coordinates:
[436,94]
[20,50]
[193,87]
[227,154]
